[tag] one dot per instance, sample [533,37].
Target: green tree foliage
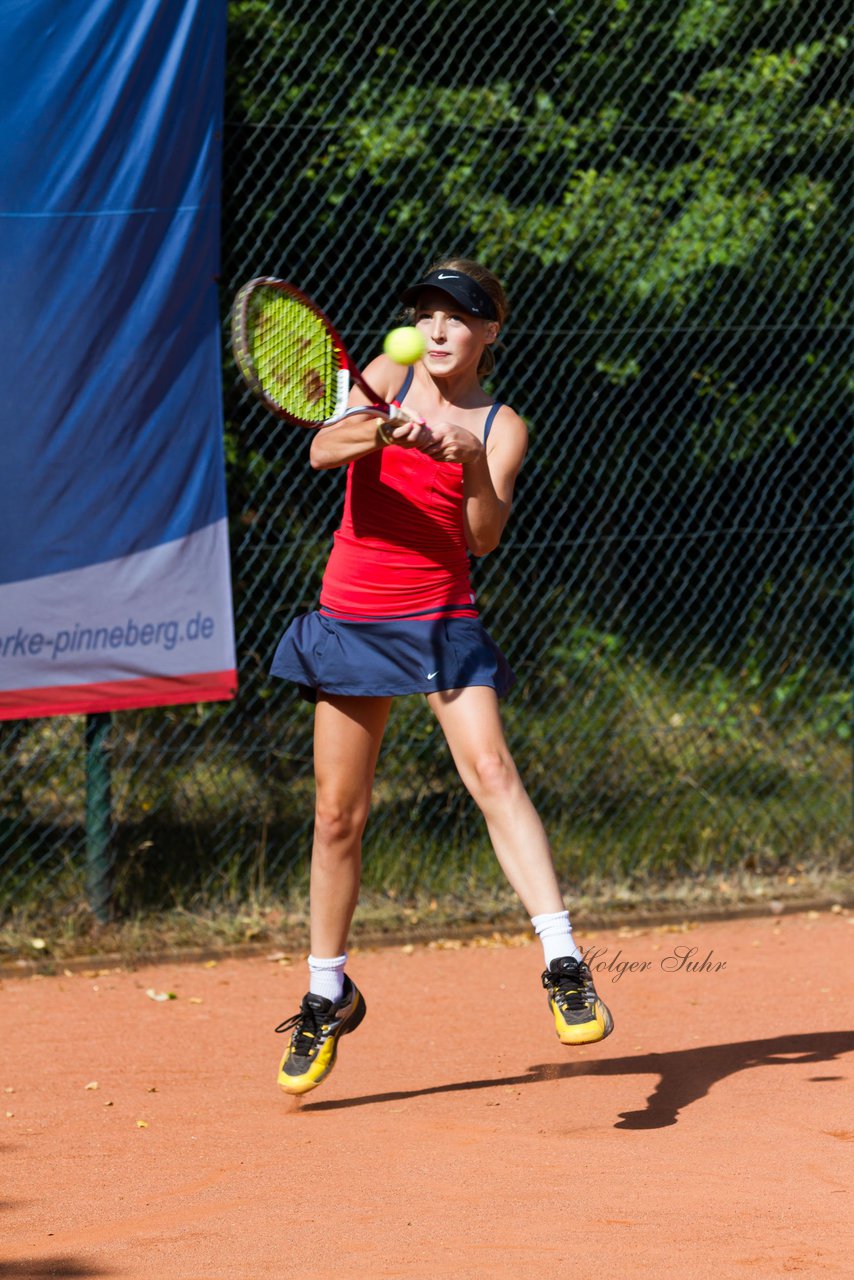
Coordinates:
[664,189]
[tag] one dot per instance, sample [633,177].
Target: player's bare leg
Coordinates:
[471,722]
[348,733]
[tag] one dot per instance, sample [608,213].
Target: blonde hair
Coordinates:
[491,285]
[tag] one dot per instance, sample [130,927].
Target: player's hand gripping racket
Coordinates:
[294,360]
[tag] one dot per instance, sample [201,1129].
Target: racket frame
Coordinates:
[348,371]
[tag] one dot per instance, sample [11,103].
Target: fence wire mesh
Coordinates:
[665,191]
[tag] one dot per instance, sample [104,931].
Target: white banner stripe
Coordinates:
[161,612]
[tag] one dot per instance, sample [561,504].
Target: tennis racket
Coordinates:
[294,360]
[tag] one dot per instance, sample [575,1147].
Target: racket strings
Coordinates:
[293,356]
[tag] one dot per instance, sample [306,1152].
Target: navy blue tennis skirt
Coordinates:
[386,659]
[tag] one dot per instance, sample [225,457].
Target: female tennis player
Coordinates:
[397,616]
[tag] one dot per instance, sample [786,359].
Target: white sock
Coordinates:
[327,976]
[555,933]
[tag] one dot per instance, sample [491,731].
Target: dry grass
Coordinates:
[39,943]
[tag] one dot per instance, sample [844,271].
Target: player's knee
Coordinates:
[494,776]
[336,824]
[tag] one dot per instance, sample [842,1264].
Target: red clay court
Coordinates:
[711,1135]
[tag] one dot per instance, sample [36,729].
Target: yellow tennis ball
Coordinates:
[404,345]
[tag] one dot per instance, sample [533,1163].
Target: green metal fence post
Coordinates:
[99,858]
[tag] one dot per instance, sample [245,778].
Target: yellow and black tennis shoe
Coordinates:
[581,1017]
[310,1055]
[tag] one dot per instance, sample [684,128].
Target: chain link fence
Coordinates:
[665,191]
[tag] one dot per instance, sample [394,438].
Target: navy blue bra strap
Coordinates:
[407,383]
[490,419]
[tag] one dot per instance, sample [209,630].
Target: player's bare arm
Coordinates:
[338,445]
[489,478]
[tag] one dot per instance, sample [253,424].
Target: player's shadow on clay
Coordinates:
[43,1269]
[684,1075]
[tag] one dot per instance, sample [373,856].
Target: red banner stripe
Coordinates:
[118,695]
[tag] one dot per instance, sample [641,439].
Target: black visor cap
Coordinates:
[467,293]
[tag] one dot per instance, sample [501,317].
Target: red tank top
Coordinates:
[400,551]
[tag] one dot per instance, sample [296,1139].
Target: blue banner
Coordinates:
[114,566]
